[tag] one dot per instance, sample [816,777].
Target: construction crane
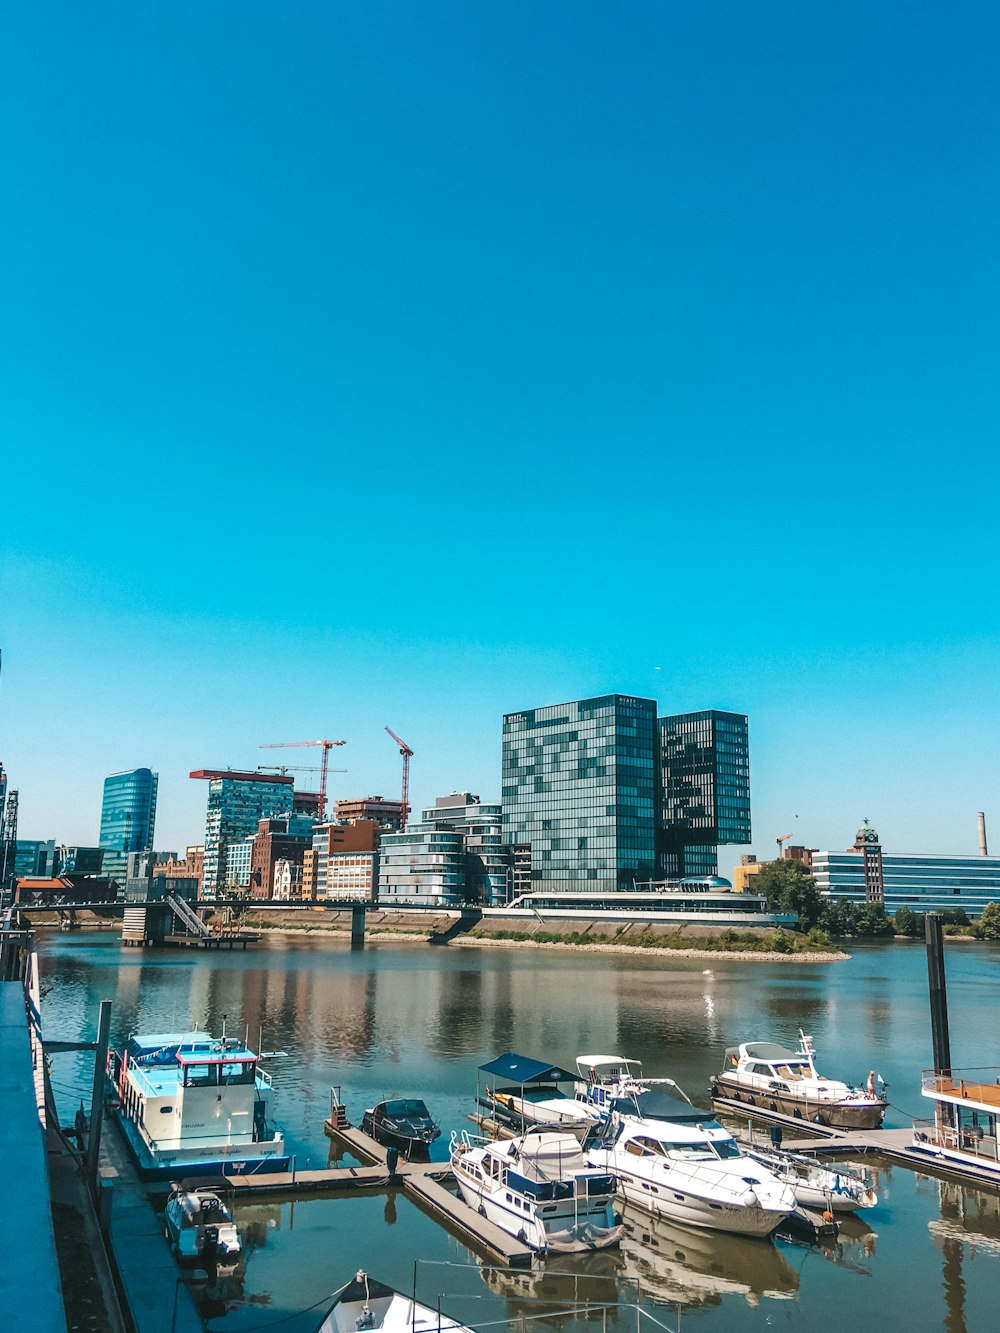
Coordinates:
[407,754]
[784,838]
[324,766]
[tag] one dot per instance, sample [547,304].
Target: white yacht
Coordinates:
[603,1080]
[964,1129]
[191,1103]
[368,1304]
[675,1161]
[539,1188]
[773,1078]
[816,1184]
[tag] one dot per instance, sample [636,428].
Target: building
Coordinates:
[79,860]
[579,786]
[128,811]
[192,866]
[424,866]
[236,867]
[705,790]
[34,859]
[386,814]
[343,861]
[237,802]
[286,839]
[743,874]
[866,873]
[488,863]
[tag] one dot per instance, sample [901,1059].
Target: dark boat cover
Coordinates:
[522,1069]
[655,1104]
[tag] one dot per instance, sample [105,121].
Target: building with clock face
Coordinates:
[866,873]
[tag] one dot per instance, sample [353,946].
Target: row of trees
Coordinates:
[788,887]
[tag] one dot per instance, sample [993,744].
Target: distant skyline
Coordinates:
[415,365]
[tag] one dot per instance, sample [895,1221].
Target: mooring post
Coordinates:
[97,1097]
[938,993]
[357,927]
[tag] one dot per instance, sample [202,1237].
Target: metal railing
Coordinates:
[968,1139]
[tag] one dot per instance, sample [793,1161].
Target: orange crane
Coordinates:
[324,766]
[407,754]
[784,838]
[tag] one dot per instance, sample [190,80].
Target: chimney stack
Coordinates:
[982,834]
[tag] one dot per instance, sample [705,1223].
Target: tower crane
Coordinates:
[324,765]
[784,838]
[407,754]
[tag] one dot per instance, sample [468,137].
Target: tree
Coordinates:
[872,920]
[989,922]
[908,922]
[838,917]
[788,887]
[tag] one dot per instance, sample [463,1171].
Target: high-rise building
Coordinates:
[237,802]
[579,786]
[286,839]
[704,790]
[423,865]
[387,814]
[488,874]
[343,861]
[128,811]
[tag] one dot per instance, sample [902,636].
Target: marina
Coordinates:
[350,1183]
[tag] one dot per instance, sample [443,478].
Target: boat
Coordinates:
[368,1304]
[189,1103]
[676,1161]
[538,1187]
[772,1078]
[403,1123]
[604,1079]
[964,1129]
[533,1096]
[199,1224]
[815,1184]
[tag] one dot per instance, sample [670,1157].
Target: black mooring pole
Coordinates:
[97,1097]
[938,993]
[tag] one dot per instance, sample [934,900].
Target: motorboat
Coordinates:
[404,1123]
[772,1078]
[964,1128]
[603,1080]
[532,1095]
[189,1102]
[368,1304]
[676,1161]
[538,1187]
[817,1185]
[200,1226]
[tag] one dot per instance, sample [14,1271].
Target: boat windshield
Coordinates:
[405,1108]
[726,1148]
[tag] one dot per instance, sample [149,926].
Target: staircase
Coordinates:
[188,917]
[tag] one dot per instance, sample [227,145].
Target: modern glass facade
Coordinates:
[424,865]
[128,811]
[579,785]
[237,802]
[705,786]
[925,883]
[487,876]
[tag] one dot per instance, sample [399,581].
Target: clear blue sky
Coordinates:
[405,363]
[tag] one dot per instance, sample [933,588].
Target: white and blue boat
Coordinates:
[191,1103]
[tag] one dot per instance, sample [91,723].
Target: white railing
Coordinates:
[969,1140]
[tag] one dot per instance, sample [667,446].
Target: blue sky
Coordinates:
[411,364]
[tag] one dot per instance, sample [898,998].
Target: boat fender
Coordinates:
[750,1199]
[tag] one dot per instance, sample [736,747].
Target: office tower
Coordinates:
[128,811]
[579,786]
[237,802]
[705,790]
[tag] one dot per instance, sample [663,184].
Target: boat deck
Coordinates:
[964,1089]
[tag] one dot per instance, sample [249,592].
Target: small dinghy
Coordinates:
[816,1185]
[368,1304]
[200,1226]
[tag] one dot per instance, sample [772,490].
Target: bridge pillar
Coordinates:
[357,927]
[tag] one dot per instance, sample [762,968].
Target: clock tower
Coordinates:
[868,845]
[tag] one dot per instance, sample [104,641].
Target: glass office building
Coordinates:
[237,802]
[705,789]
[579,786]
[128,811]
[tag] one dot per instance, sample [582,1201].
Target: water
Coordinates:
[418,1021]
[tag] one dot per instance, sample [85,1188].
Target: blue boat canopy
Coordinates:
[522,1069]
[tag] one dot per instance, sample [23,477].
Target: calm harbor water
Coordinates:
[417,1020]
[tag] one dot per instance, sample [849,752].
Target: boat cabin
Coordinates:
[967,1110]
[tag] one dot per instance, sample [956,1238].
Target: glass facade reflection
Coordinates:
[705,784]
[579,787]
[128,811]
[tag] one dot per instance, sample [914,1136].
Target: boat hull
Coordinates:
[689,1209]
[564,1229]
[838,1115]
[213,1159]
